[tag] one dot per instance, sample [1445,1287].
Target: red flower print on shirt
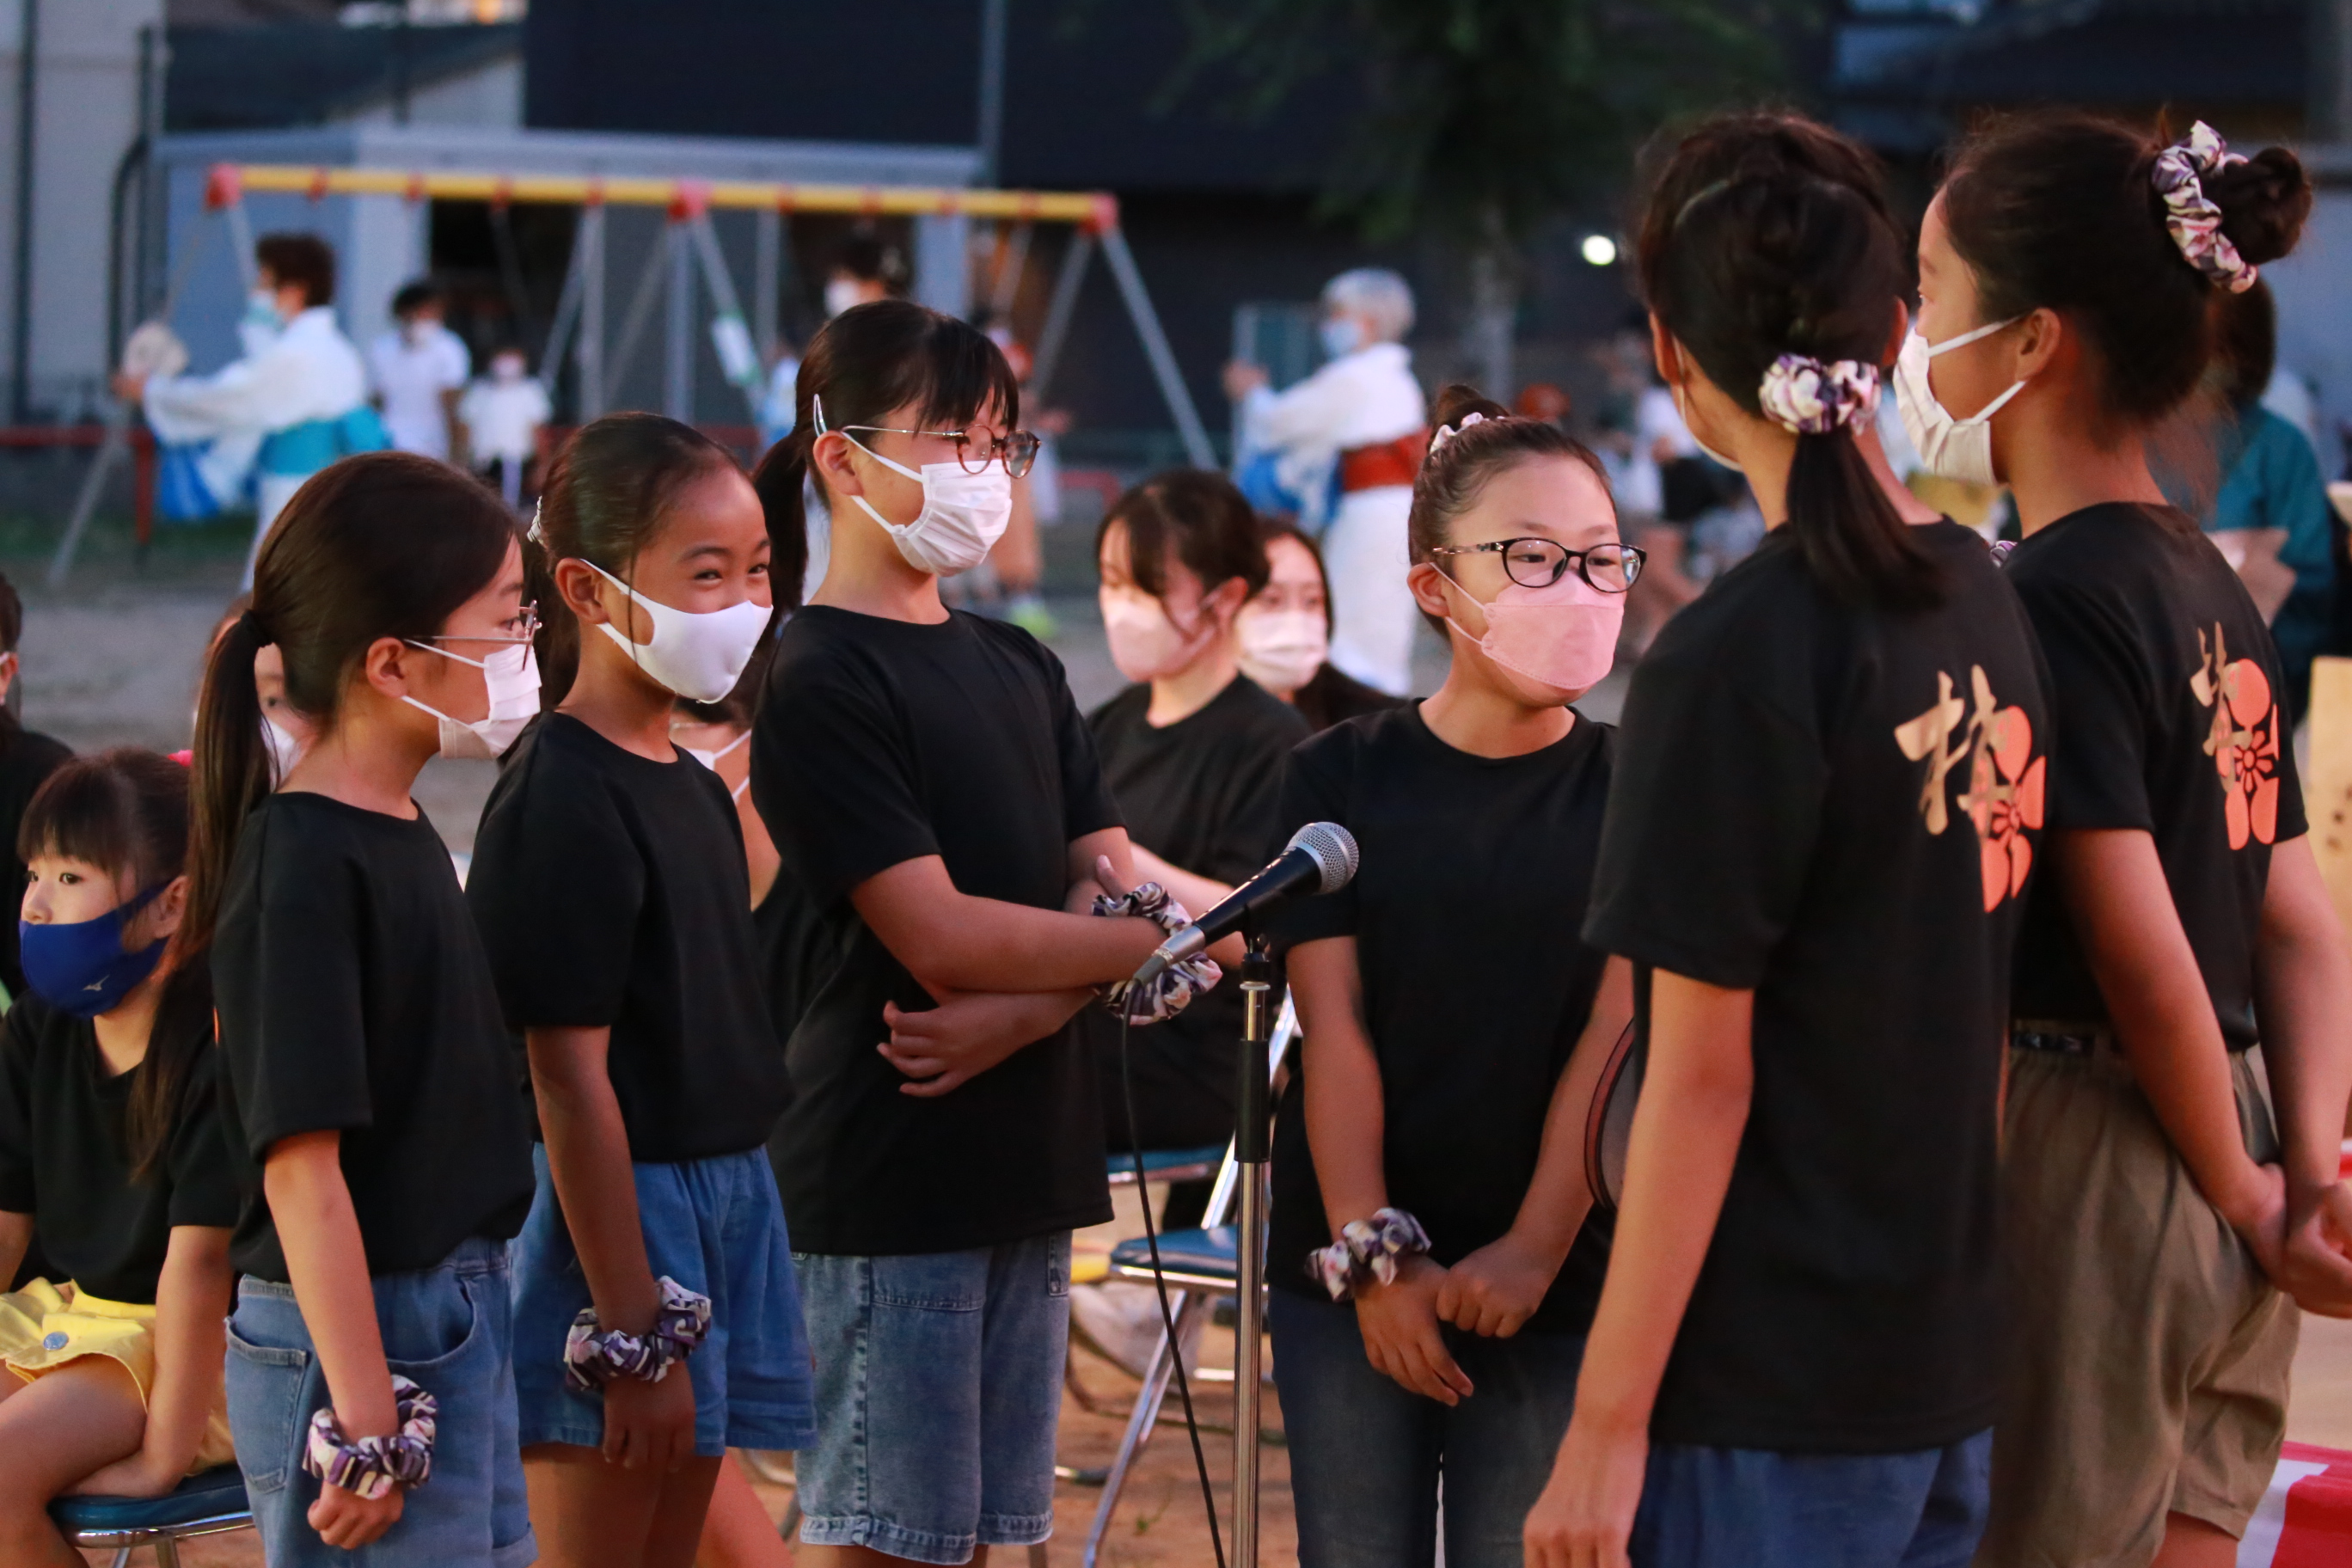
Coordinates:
[2243,740]
[2004,781]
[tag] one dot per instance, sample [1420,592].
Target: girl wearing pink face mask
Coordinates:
[1434,1257]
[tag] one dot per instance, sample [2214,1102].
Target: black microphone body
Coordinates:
[1320,859]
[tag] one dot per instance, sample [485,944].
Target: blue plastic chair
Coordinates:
[211,1503]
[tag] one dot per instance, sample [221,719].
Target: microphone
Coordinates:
[1320,858]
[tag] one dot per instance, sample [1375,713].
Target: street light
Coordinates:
[1598,250]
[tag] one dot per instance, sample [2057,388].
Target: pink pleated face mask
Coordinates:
[1562,638]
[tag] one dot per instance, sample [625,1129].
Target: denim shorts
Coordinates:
[1366,1453]
[714,1226]
[938,1390]
[447,1327]
[1746,1508]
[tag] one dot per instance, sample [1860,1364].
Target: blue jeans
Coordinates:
[1366,1454]
[447,1327]
[1746,1507]
[938,1390]
[714,1226]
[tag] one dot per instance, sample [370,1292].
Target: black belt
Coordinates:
[2062,1039]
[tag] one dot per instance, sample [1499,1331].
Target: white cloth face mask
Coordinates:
[697,654]
[1949,447]
[963,516]
[285,751]
[710,760]
[511,677]
[1282,649]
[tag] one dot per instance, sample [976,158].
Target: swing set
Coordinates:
[689,245]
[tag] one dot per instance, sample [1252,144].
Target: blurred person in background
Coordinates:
[503,414]
[416,371]
[1365,408]
[1285,633]
[26,758]
[865,269]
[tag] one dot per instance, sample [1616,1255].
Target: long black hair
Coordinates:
[125,811]
[1767,235]
[386,545]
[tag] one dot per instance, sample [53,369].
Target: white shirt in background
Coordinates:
[502,418]
[411,374]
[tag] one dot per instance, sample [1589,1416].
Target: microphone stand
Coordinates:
[1252,1138]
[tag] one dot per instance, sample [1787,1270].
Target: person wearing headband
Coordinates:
[2163,1219]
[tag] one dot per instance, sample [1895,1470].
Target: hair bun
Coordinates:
[1458,400]
[2264,203]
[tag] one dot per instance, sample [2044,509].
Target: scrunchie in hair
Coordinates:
[1447,432]
[1803,395]
[2190,215]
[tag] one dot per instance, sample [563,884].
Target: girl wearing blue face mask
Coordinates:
[609,883]
[110,1149]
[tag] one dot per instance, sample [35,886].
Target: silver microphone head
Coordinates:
[1333,849]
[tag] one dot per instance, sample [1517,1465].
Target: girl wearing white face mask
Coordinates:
[938,810]
[371,1104]
[2182,919]
[609,883]
[1285,632]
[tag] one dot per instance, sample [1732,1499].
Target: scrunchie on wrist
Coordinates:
[371,1467]
[1175,986]
[594,1357]
[1367,1250]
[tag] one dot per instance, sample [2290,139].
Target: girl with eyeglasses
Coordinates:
[375,1111]
[1825,814]
[1433,1254]
[941,814]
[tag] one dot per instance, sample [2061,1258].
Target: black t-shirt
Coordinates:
[1836,808]
[1331,696]
[2165,688]
[1476,981]
[1201,795]
[880,742]
[611,893]
[64,1152]
[354,996]
[26,760]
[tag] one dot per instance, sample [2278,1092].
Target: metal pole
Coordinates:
[1251,1141]
[20,337]
[1064,305]
[1197,450]
[632,325]
[1007,288]
[590,355]
[678,378]
[724,304]
[991,139]
[767,278]
[567,310]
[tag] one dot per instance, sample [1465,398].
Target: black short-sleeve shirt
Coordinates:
[880,742]
[1331,696]
[1838,809]
[64,1152]
[354,997]
[610,892]
[2165,690]
[1200,793]
[1476,981]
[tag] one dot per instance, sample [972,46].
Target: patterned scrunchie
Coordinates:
[1168,993]
[1447,432]
[1803,395]
[592,1357]
[372,1467]
[2190,217]
[1367,1249]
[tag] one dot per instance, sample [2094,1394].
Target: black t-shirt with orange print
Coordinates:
[1839,809]
[2165,688]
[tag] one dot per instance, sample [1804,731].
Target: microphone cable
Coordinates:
[1159,1283]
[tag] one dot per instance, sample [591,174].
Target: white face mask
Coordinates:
[285,751]
[505,370]
[1145,641]
[1282,649]
[963,516]
[1342,335]
[1949,447]
[842,294]
[696,655]
[1684,413]
[710,760]
[511,675]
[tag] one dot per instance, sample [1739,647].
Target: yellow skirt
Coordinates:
[43,1327]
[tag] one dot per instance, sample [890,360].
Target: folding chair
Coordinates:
[209,1503]
[1199,1266]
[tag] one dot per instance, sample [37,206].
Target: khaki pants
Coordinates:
[2149,1354]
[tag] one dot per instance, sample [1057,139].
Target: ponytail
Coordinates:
[780,481]
[231,769]
[1855,542]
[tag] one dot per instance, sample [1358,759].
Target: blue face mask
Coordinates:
[82,968]
[1343,336]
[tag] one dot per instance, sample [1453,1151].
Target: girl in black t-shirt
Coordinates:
[609,879]
[1823,821]
[111,1148]
[1285,633]
[1455,1025]
[372,1108]
[2156,1214]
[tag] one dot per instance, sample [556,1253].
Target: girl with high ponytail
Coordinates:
[1824,816]
[372,1109]
[2162,1223]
